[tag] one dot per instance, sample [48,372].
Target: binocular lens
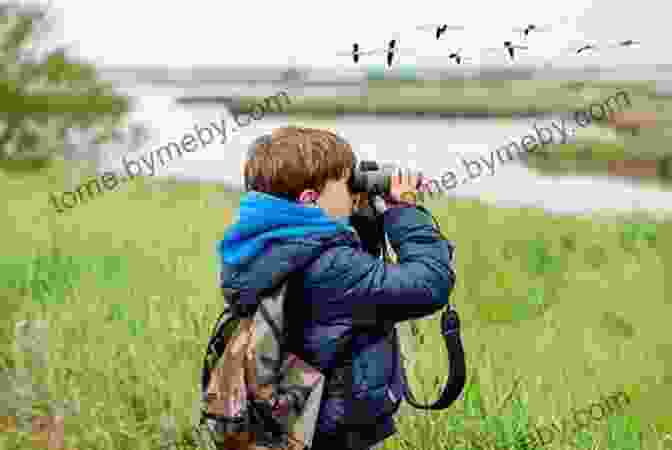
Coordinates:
[372,178]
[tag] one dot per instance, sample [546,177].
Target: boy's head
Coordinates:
[306,165]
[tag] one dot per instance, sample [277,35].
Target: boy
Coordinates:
[300,195]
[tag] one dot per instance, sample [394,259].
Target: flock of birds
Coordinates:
[439,30]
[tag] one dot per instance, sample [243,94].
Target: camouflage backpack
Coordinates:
[256,394]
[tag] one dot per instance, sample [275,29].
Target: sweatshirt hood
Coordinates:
[272,236]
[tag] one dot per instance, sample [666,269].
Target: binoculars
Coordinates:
[373,178]
[367,176]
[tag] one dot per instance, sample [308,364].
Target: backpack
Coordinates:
[255,394]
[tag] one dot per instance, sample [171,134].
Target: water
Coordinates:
[433,145]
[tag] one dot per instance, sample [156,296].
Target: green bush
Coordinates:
[43,96]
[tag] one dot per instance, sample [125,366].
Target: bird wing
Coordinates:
[361,52]
[575,47]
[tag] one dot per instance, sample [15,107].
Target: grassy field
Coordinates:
[127,285]
[458,97]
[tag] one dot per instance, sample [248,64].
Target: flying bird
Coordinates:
[586,47]
[356,52]
[457,57]
[391,48]
[628,43]
[439,30]
[577,47]
[531,27]
[510,48]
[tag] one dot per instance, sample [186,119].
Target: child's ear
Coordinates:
[308,196]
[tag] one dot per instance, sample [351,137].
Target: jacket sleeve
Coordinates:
[357,283]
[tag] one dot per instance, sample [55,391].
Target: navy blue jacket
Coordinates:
[341,290]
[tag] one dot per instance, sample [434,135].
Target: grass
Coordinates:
[488,98]
[556,311]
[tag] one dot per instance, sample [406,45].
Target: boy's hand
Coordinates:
[403,189]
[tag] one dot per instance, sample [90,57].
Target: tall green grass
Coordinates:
[556,311]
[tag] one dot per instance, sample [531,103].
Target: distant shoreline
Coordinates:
[443,99]
[236,107]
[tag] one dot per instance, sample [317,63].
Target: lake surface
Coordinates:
[433,145]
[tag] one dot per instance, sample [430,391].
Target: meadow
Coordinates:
[556,312]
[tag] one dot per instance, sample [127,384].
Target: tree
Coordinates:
[42,96]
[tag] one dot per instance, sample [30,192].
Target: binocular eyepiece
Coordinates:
[370,177]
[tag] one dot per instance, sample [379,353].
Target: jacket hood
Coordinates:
[271,238]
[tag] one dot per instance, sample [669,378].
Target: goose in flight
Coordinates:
[393,50]
[439,30]
[628,43]
[585,48]
[457,57]
[355,53]
[531,27]
[510,48]
[576,48]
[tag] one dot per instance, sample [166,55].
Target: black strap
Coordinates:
[457,372]
[450,329]
[337,378]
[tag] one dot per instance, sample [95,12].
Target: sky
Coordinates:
[310,33]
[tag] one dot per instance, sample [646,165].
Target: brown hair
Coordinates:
[293,159]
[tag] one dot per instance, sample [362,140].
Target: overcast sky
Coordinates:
[216,32]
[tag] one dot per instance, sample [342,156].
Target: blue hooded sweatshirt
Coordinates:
[264,219]
[342,291]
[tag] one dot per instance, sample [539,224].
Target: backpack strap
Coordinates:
[244,303]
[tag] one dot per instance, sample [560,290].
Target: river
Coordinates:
[432,145]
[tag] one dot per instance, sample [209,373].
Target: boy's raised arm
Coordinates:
[418,285]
